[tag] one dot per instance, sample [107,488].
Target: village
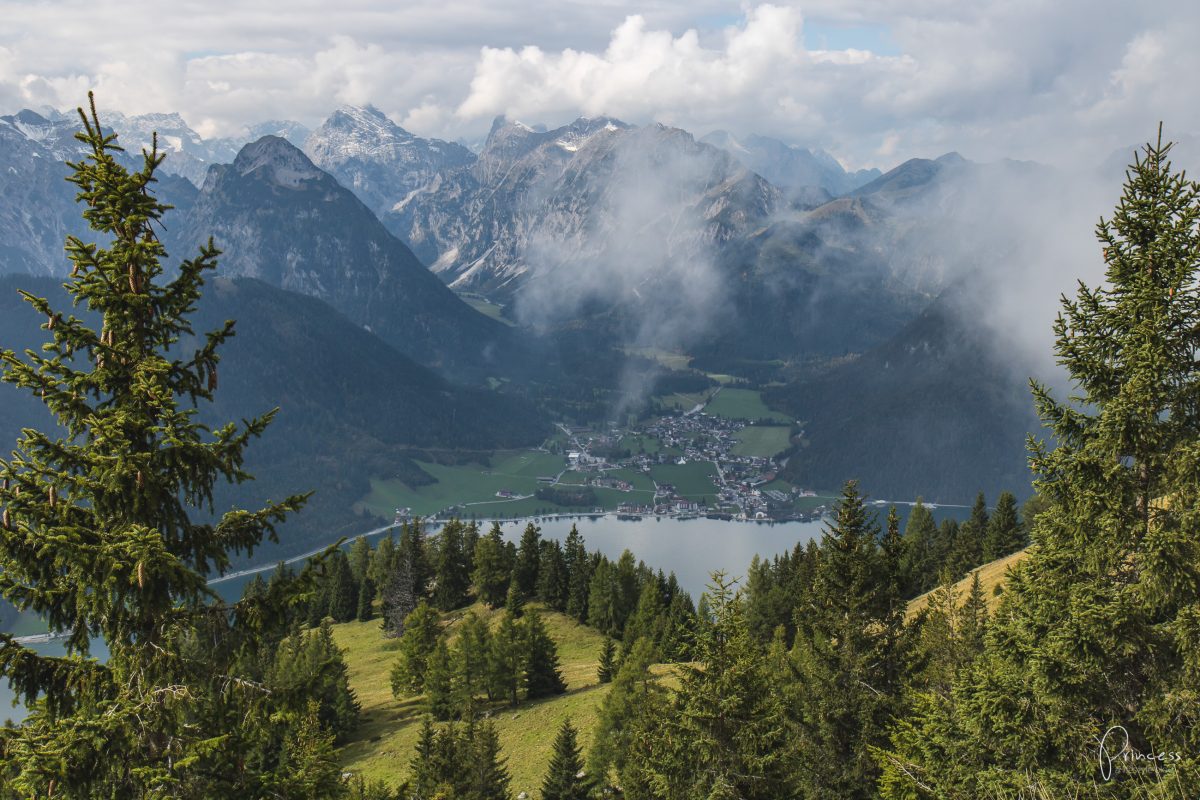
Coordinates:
[738,486]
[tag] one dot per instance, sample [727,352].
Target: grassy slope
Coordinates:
[383,745]
[762,440]
[741,404]
[693,479]
[991,575]
[516,471]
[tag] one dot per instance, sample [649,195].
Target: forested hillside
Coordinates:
[351,407]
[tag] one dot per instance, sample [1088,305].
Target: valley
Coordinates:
[721,457]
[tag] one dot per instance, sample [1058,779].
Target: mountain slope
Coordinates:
[576,199]
[281,219]
[351,406]
[188,154]
[37,204]
[377,159]
[934,411]
[791,168]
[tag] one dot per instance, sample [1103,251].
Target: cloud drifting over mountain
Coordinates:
[1046,80]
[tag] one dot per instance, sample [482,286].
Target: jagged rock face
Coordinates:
[37,205]
[540,203]
[281,219]
[188,154]
[377,159]
[34,196]
[795,169]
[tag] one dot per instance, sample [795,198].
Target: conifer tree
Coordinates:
[308,666]
[382,560]
[343,593]
[1098,625]
[579,575]
[552,576]
[1004,530]
[366,599]
[607,666]
[360,558]
[842,657]
[439,683]
[398,597]
[970,548]
[565,778]
[633,707]
[506,661]
[452,578]
[487,775]
[542,676]
[97,533]
[471,662]
[939,645]
[308,764]
[514,601]
[420,638]
[726,735]
[649,618]
[921,563]
[492,573]
[470,539]
[527,567]
[316,606]
[603,599]
[972,620]
[413,550]
[424,767]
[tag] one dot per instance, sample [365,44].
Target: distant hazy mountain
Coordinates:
[937,410]
[377,159]
[792,168]
[37,205]
[352,407]
[190,155]
[281,219]
[566,201]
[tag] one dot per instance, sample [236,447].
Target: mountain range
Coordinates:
[281,219]
[590,240]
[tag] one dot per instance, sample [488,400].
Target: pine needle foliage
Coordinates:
[108,525]
[1100,628]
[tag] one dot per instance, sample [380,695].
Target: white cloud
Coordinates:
[1048,79]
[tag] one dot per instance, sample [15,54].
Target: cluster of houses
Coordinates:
[739,491]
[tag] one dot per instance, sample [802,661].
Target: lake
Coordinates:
[690,548]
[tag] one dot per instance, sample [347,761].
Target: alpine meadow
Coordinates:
[791,401]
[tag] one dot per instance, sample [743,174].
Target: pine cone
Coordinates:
[50,325]
[139,479]
[134,281]
[52,496]
[141,573]
[212,379]
[4,520]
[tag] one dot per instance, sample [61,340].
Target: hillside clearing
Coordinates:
[382,747]
[991,577]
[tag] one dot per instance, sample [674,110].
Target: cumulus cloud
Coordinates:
[1037,79]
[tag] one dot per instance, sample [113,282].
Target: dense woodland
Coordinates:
[806,680]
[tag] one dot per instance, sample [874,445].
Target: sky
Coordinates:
[871,81]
